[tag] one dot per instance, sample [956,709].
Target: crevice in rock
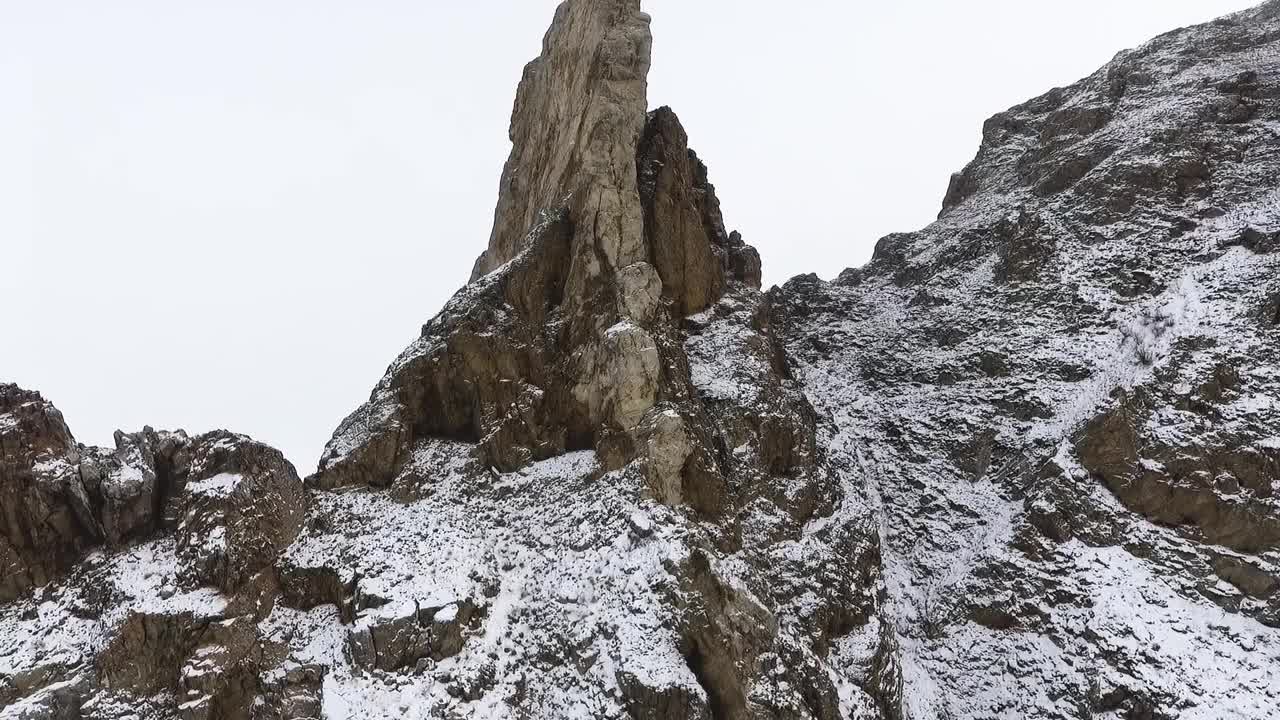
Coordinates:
[720,700]
[164,489]
[884,681]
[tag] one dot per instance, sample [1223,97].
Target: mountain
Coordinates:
[1023,464]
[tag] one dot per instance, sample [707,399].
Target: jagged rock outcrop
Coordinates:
[607,232]
[599,320]
[685,231]
[233,503]
[38,487]
[1022,464]
[237,505]
[136,572]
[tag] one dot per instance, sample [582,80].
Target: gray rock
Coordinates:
[1021,464]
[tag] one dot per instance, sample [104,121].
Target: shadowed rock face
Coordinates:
[42,535]
[688,246]
[1022,464]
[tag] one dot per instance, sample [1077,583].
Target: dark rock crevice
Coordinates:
[724,703]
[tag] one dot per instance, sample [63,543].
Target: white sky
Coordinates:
[235,213]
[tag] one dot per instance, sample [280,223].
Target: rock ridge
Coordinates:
[1021,464]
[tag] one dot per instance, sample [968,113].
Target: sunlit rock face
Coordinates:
[1022,464]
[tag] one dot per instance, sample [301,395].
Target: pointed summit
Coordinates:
[607,233]
[613,357]
[579,113]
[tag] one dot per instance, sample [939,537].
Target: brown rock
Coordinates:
[58,498]
[397,636]
[38,463]
[295,694]
[564,340]
[242,503]
[1246,576]
[1175,485]
[578,114]
[644,702]
[691,267]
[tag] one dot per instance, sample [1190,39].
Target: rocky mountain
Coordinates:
[1023,464]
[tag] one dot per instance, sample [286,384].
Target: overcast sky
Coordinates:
[235,213]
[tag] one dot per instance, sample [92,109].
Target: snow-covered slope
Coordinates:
[1062,397]
[1021,465]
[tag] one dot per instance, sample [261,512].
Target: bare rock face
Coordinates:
[401,635]
[240,505]
[42,535]
[607,233]
[609,375]
[234,503]
[1220,483]
[578,115]
[62,498]
[693,255]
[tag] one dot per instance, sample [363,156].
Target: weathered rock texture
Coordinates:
[578,115]
[1062,400]
[1021,465]
[607,233]
[233,503]
[136,574]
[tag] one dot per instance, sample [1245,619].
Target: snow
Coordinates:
[619,328]
[219,486]
[53,630]
[942,467]
[955,537]
[542,584]
[147,573]
[1151,465]
[723,365]
[122,480]
[36,705]
[1223,665]
[52,467]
